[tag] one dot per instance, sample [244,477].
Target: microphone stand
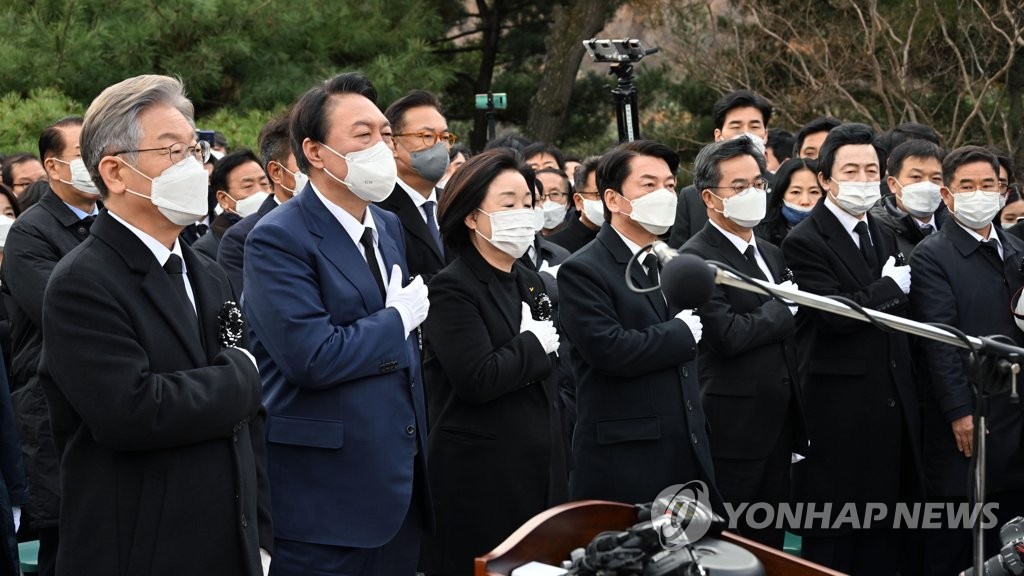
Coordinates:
[991,362]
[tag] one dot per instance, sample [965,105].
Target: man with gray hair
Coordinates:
[747,359]
[155,409]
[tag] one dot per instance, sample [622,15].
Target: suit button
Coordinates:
[693,437]
[244,521]
[82,230]
[892,403]
[410,430]
[686,373]
[689,405]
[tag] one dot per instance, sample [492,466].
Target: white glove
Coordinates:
[545,267]
[17,518]
[899,274]
[410,301]
[692,322]
[544,330]
[265,561]
[790,285]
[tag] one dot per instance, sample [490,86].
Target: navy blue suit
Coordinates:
[341,379]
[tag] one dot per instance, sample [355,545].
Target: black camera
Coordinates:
[623,50]
[1010,559]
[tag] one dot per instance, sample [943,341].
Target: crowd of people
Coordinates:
[361,348]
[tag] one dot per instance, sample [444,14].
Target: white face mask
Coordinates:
[976,209]
[920,199]
[538,219]
[371,172]
[512,231]
[594,211]
[857,197]
[655,211]
[554,213]
[5,226]
[179,192]
[746,209]
[300,181]
[756,140]
[250,204]
[80,179]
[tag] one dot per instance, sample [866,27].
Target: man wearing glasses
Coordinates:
[579,231]
[156,413]
[36,242]
[747,358]
[21,171]
[421,144]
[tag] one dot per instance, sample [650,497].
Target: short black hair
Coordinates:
[414,99]
[909,131]
[915,148]
[309,117]
[820,124]
[51,141]
[847,135]
[966,155]
[560,173]
[740,99]
[30,196]
[274,142]
[467,189]
[510,141]
[219,139]
[545,148]
[459,149]
[615,165]
[1004,161]
[587,167]
[706,173]
[224,167]
[15,203]
[780,142]
[7,175]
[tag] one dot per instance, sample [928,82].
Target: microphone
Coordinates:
[686,280]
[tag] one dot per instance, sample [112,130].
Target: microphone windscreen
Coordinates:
[687,281]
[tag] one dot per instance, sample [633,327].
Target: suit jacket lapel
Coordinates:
[611,241]
[412,218]
[208,301]
[723,246]
[336,245]
[840,242]
[483,271]
[386,242]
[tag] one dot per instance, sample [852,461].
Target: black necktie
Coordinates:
[371,261]
[990,248]
[751,254]
[173,267]
[866,248]
[927,229]
[651,263]
[428,210]
[88,220]
[201,229]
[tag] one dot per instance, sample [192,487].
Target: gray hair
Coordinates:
[112,120]
[705,168]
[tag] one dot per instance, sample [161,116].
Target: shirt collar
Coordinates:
[849,221]
[81,213]
[354,228]
[633,246]
[160,252]
[738,242]
[991,233]
[418,198]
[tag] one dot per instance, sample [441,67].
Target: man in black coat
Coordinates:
[747,359]
[240,184]
[965,276]
[641,428]
[158,423]
[578,232]
[38,239]
[421,146]
[859,400]
[281,169]
[912,211]
[736,113]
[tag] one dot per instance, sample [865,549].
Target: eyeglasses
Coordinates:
[429,137]
[759,183]
[984,188]
[179,151]
[555,196]
[588,193]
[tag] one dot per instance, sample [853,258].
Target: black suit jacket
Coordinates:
[861,409]
[747,359]
[160,430]
[493,406]
[691,216]
[641,428]
[573,236]
[956,284]
[231,250]
[38,239]
[209,243]
[421,252]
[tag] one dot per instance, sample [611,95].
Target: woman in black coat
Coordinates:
[495,450]
[794,192]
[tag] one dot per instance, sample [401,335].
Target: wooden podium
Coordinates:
[550,536]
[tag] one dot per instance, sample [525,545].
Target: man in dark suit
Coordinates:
[37,240]
[578,232]
[859,400]
[736,113]
[334,332]
[159,424]
[965,276]
[641,428]
[281,169]
[914,171]
[241,185]
[747,359]
[421,148]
